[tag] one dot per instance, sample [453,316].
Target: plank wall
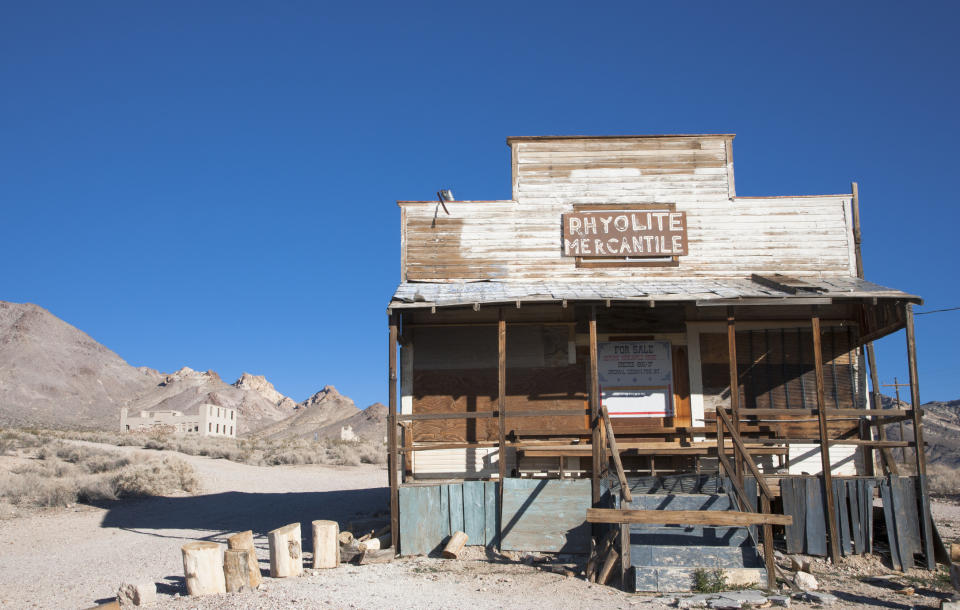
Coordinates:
[729,236]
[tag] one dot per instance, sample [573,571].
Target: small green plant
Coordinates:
[709,581]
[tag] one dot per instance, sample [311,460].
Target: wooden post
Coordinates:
[392,462]
[236,570]
[501,413]
[625,560]
[824,439]
[286,555]
[768,550]
[594,409]
[734,388]
[885,452]
[203,568]
[919,449]
[326,547]
[612,441]
[456,543]
[244,541]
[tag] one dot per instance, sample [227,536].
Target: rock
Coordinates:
[137,594]
[722,603]
[748,596]
[805,581]
[817,597]
[780,600]
[695,601]
[949,605]
[798,564]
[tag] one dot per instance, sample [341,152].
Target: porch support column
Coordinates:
[501,414]
[734,390]
[598,450]
[824,439]
[919,450]
[392,462]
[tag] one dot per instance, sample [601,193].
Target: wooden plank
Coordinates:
[814,512]
[421,525]
[866,506]
[474,521]
[843,516]
[392,454]
[455,491]
[501,407]
[907,537]
[491,513]
[615,454]
[546,515]
[734,386]
[926,520]
[824,447]
[438,416]
[445,509]
[793,491]
[685,517]
[856,515]
[890,524]
[594,410]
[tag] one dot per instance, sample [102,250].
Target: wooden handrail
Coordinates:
[748,459]
[612,443]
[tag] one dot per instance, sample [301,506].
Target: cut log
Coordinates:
[375,556]
[607,568]
[370,544]
[326,547]
[243,541]
[236,570]
[203,568]
[955,552]
[286,555]
[600,552]
[457,541]
[349,552]
[345,537]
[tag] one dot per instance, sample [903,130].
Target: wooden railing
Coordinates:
[743,458]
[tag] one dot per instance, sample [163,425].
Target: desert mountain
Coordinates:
[324,414]
[941,430]
[52,374]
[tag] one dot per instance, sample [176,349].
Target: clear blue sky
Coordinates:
[212,184]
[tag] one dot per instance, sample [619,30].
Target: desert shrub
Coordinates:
[155,478]
[709,581]
[344,454]
[97,489]
[105,462]
[943,480]
[56,493]
[373,454]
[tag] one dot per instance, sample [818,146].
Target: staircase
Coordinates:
[664,558]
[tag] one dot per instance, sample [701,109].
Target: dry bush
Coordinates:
[155,478]
[943,480]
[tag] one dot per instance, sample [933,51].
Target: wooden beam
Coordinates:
[877,403]
[615,454]
[594,409]
[824,436]
[433,416]
[746,454]
[919,451]
[734,385]
[501,404]
[392,453]
[685,517]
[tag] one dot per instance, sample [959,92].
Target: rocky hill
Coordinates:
[941,429]
[324,414]
[54,375]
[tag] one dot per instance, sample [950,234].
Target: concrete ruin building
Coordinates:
[627,359]
[202,420]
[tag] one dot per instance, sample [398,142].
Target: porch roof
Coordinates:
[702,291]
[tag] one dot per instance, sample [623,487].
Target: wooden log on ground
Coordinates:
[370,544]
[345,537]
[457,541]
[349,552]
[607,568]
[236,570]
[954,552]
[203,568]
[326,545]
[596,558]
[286,555]
[375,556]
[243,541]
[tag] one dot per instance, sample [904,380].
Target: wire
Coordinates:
[923,313]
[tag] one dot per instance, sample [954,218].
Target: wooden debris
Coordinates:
[375,556]
[955,552]
[326,547]
[607,568]
[203,568]
[286,555]
[457,541]
[601,551]
[345,537]
[243,541]
[236,570]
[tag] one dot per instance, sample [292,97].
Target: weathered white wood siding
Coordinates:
[728,236]
[482,462]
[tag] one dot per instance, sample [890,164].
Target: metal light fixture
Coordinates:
[443,196]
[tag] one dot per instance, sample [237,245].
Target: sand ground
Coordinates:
[76,557]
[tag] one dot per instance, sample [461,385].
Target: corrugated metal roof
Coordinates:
[427,294]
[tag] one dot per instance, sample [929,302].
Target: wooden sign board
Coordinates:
[625,233]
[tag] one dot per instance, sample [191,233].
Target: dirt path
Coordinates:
[72,558]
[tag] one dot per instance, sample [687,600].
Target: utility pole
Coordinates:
[896,388]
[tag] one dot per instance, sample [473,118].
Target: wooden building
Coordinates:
[566,358]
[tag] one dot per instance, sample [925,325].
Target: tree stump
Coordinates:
[203,568]
[457,541]
[243,541]
[236,570]
[326,547]
[286,556]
